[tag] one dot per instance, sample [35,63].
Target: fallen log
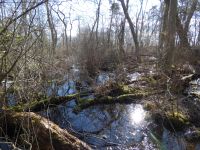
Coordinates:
[39,105]
[43,134]
[123,99]
[130,95]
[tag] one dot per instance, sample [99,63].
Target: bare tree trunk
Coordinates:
[52,29]
[184,43]
[132,28]
[190,14]
[70,30]
[198,37]
[183,30]
[110,29]
[65,38]
[137,19]
[121,38]
[164,25]
[122,34]
[171,32]
[97,18]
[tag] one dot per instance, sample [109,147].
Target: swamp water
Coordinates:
[115,127]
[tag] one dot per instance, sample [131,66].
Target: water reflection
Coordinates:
[115,127]
[134,76]
[194,88]
[173,141]
[102,125]
[102,78]
[68,87]
[137,114]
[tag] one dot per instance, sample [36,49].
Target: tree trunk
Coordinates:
[39,132]
[198,37]
[164,25]
[121,39]
[171,32]
[132,28]
[190,14]
[52,30]
[184,43]
[39,105]
[183,31]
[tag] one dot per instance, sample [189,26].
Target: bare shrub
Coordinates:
[95,54]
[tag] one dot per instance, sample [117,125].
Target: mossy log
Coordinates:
[38,105]
[45,135]
[123,99]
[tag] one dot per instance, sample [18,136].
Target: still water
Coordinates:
[116,126]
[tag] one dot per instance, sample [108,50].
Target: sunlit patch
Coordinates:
[137,114]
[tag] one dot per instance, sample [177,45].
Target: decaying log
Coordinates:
[45,134]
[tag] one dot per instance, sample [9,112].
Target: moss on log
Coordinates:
[44,133]
[36,105]
[125,99]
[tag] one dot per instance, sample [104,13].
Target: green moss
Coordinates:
[176,121]
[109,98]
[123,99]
[126,89]
[17,108]
[84,101]
[37,105]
